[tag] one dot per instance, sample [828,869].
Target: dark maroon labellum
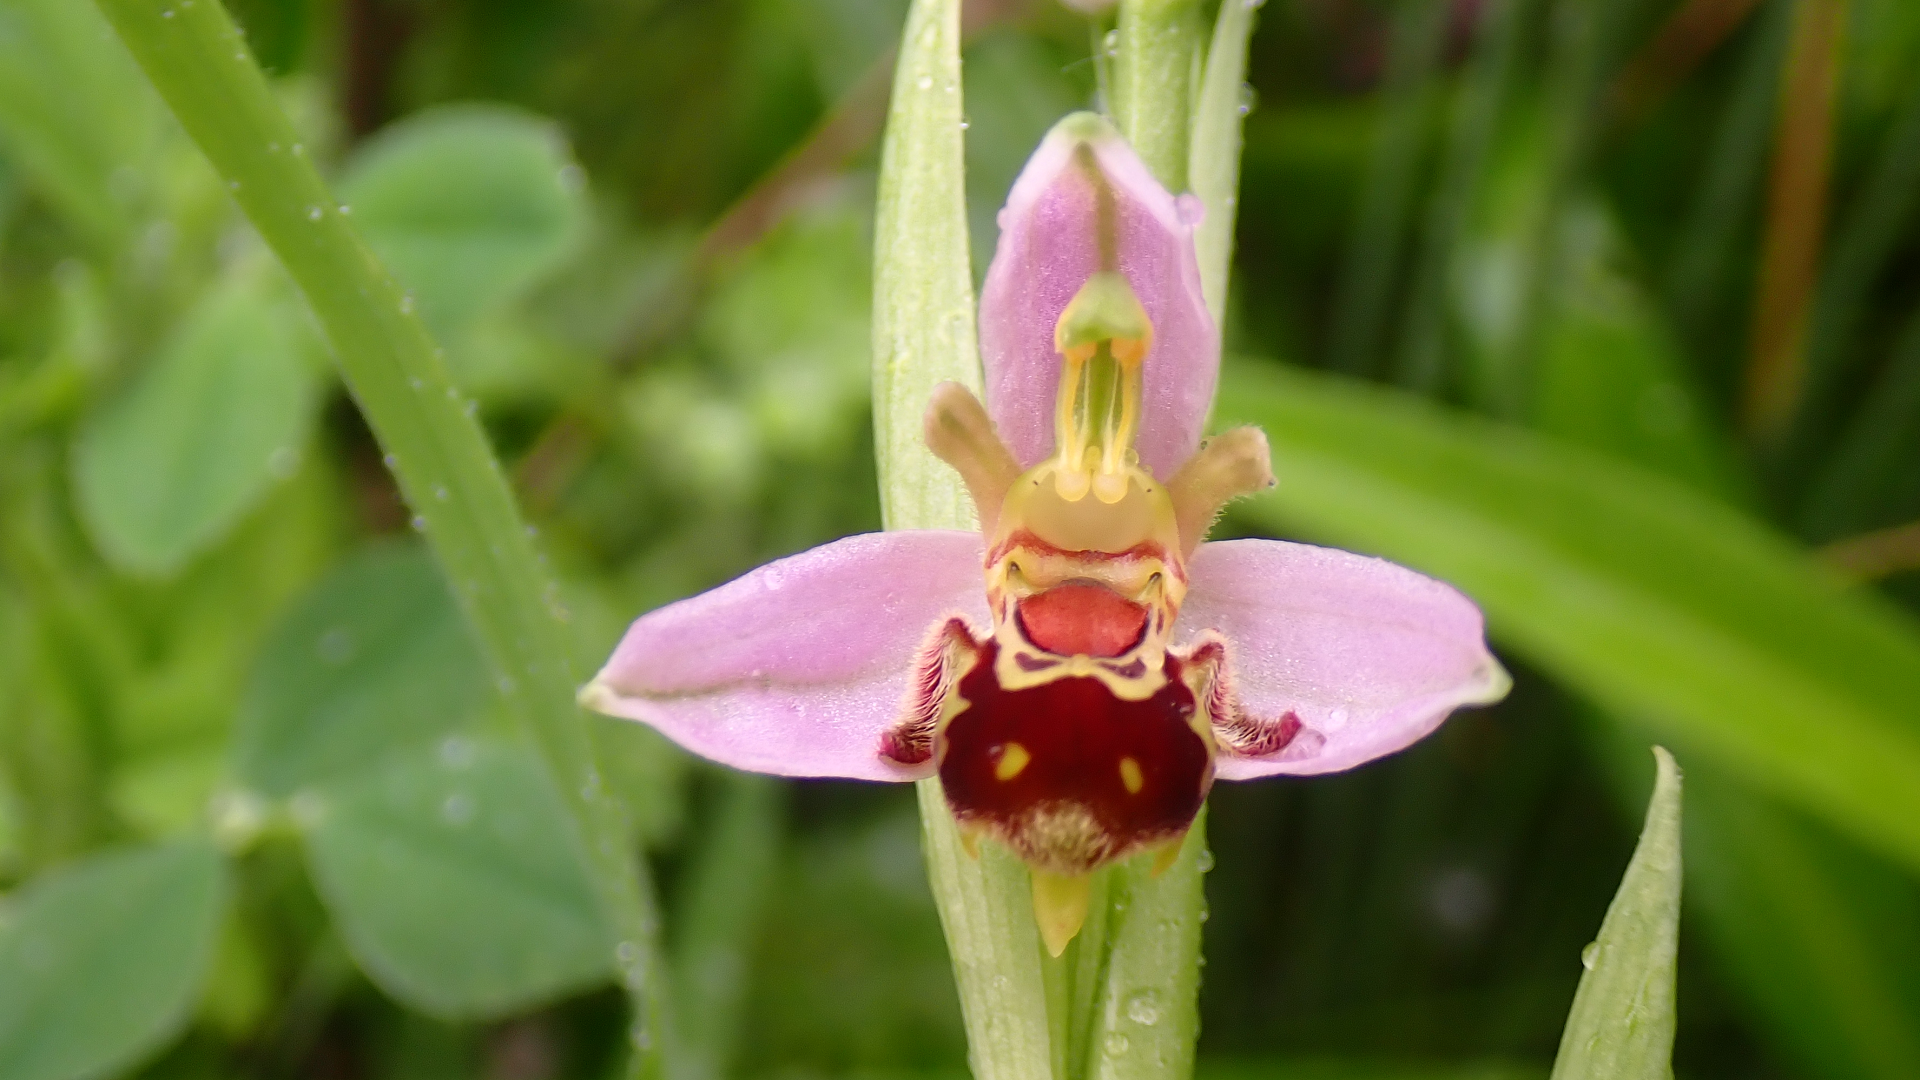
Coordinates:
[1068,775]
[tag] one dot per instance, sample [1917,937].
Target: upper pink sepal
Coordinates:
[1049,247]
[798,667]
[1367,655]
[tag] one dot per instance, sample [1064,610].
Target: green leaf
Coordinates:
[923,320]
[452,876]
[467,205]
[1650,599]
[101,959]
[1213,165]
[73,111]
[165,469]
[374,659]
[1621,1026]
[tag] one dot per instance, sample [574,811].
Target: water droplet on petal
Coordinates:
[1115,1044]
[1203,862]
[1590,955]
[926,82]
[314,213]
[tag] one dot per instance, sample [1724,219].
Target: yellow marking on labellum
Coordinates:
[1130,775]
[1013,758]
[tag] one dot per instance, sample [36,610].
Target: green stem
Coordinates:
[1155,74]
[200,64]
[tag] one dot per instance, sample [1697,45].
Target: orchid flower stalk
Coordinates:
[1080,671]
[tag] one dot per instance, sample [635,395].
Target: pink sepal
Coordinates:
[798,667]
[1048,250]
[1368,655]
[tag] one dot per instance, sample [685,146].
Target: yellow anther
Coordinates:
[1014,758]
[1131,776]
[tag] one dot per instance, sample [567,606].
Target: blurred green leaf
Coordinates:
[222,411]
[1609,373]
[100,960]
[467,205]
[1815,931]
[1648,598]
[74,111]
[453,877]
[1622,1023]
[1788,905]
[373,660]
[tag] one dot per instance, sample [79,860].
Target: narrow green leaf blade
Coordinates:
[1622,1023]
[100,960]
[452,876]
[373,660]
[164,470]
[923,322]
[1213,166]
[1649,598]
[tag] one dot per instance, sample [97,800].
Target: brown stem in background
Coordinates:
[1875,555]
[1688,36]
[375,33]
[1796,217]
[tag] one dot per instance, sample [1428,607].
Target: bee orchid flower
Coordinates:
[1081,670]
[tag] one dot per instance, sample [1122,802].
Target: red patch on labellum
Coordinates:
[1074,619]
[1135,771]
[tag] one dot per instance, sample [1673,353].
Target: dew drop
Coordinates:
[406,304]
[417,383]
[1203,862]
[1143,1008]
[457,751]
[344,209]
[1112,42]
[440,492]
[335,647]
[626,952]
[1590,955]
[964,125]
[1248,98]
[457,809]
[926,82]
[233,185]
[314,213]
[391,461]
[167,14]
[1115,1044]
[419,523]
